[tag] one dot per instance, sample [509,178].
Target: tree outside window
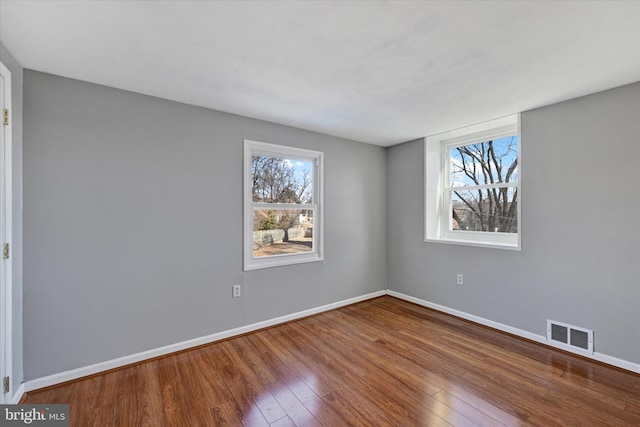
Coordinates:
[282,205]
[472,185]
[483,186]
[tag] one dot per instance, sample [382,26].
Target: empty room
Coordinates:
[320,213]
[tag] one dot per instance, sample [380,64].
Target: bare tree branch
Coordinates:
[490,209]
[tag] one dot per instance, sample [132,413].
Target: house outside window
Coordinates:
[282,205]
[472,178]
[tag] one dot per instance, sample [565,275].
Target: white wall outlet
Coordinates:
[237,291]
[460,279]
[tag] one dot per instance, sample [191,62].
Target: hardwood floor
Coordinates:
[382,362]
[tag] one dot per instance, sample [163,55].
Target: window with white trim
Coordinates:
[282,205]
[472,178]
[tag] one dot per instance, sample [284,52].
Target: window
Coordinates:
[282,205]
[473,185]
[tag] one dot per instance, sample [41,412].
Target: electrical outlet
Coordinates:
[460,279]
[236,291]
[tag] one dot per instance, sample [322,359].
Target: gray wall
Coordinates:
[125,195]
[580,258]
[16,254]
[133,224]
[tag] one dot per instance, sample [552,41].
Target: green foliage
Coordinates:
[265,220]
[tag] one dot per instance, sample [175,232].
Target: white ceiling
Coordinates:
[377,72]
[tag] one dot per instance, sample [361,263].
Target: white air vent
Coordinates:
[570,337]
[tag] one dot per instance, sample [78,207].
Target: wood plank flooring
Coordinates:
[382,362]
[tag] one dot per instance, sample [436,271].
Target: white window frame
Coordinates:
[437,205]
[252,148]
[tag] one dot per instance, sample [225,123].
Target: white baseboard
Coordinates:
[172,348]
[73,374]
[541,339]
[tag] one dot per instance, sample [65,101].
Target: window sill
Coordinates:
[476,243]
[280,261]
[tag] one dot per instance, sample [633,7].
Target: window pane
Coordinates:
[492,209]
[280,180]
[484,163]
[285,231]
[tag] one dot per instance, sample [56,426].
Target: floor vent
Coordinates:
[571,337]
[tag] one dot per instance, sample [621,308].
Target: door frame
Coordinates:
[6,283]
